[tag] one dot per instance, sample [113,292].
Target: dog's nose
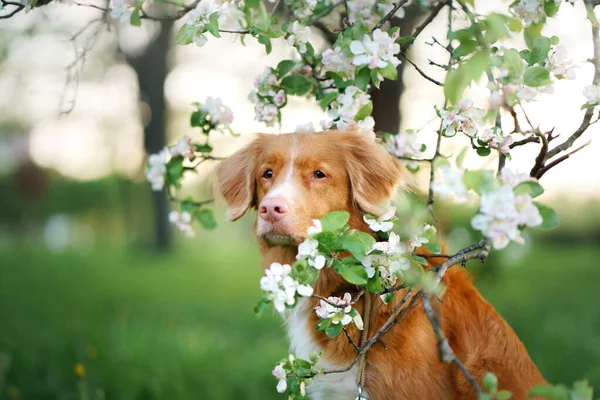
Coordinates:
[273,209]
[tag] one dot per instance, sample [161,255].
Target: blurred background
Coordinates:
[101,298]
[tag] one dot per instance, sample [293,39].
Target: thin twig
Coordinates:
[389,15]
[420,71]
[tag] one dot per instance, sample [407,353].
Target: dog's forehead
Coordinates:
[302,148]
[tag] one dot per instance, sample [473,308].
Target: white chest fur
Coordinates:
[340,386]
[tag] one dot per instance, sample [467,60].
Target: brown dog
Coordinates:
[295,178]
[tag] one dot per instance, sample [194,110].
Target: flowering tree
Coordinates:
[365,50]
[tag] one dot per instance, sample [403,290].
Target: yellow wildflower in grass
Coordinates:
[79,370]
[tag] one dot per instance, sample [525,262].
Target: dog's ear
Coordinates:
[236,179]
[374,174]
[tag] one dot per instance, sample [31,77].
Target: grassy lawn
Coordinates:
[181,326]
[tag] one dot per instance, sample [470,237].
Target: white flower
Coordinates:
[232,17]
[531,11]
[592,94]
[157,169]
[495,139]
[309,251]
[279,99]
[219,113]
[267,113]
[200,39]
[305,128]
[376,51]
[450,184]
[280,373]
[502,214]
[344,108]
[199,15]
[182,221]
[298,36]
[281,288]
[526,93]
[513,179]
[388,259]
[560,65]
[316,228]
[337,61]
[121,9]
[464,118]
[382,223]
[339,310]
[184,148]
[406,145]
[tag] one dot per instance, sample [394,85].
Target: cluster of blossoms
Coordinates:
[304,8]
[494,138]
[183,221]
[503,213]
[280,373]
[218,114]
[336,60]
[463,118]
[339,310]
[376,50]
[449,184]
[389,259]
[309,249]
[268,97]
[370,11]
[298,36]
[156,169]
[531,11]
[406,145]
[294,374]
[592,94]
[281,288]
[344,109]
[383,223]
[121,9]
[560,65]
[227,14]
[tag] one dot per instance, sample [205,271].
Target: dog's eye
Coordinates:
[319,174]
[268,174]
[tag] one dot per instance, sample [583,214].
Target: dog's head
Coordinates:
[295,178]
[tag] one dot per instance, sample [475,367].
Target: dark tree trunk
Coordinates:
[151,69]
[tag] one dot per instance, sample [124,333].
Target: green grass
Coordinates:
[181,326]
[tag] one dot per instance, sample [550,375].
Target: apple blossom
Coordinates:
[298,36]
[337,61]
[156,169]
[280,288]
[405,145]
[280,373]
[531,11]
[559,65]
[182,221]
[184,148]
[344,108]
[315,228]
[219,113]
[495,139]
[463,118]
[592,94]
[121,9]
[339,310]
[232,17]
[382,223]
[376,51]
[450,184]
[309,251]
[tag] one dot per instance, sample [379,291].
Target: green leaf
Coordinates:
[203,148]
[483,151]
[304,273]
[335,221]
[532,188]
[551,8]
[549,392]
[296,85]
[373,285]
[490,382]
[513,63]
[198,119]
[207,218]
[284,67]
[334,329]
[476,180]
[539,52]
[261,306]
[387,298]
[262,39]
[213,25]
[364,112]
[328,242]
[549,216]
[503,395]
[323,324]
[327,99]
[351,272]
[186,34]
[531,32]
[135,19]
[362,78]
[464,49]
[175,171]
[458,79]
[536,76]
[356,242]
[389,72]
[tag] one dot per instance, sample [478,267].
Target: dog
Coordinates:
[292,179]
